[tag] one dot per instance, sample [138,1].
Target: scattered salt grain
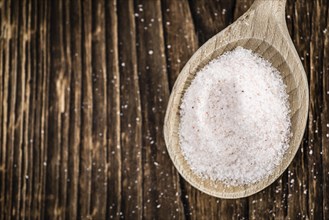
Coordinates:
[235,124]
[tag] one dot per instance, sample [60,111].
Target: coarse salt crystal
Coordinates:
[235,123]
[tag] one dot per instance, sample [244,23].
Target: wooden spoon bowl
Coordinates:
[263,30]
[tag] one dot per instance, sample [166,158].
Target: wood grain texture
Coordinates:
[81,117]
[131,114]
[114,183]
[160,191]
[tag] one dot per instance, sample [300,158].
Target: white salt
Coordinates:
[235,124]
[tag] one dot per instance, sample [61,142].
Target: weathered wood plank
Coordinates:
[131,127]
[318,14]
[180,36]
[65,115]
[26,176]
[2,106]
[2,40]
[75,53]
[5,39]
[160,180]
[42,66]
[113,100]
[84,196]
[28,116]
[57,84]
[19,178]
[99,127]
[325,117]
[12,170]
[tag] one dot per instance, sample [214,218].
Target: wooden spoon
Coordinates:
[263,30]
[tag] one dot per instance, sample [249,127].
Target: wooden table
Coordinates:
[83,90]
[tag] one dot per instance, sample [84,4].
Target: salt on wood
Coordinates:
[235,123]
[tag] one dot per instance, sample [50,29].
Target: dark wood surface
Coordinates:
[83,90]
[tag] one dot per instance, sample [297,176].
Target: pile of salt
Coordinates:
[235,124]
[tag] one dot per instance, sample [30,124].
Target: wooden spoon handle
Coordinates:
[273,8]
[282,2]
[273,4]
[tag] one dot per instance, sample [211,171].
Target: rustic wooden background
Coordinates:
[83,90]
